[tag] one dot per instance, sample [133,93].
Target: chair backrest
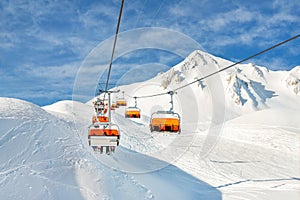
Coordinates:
[100,119]
[103,132]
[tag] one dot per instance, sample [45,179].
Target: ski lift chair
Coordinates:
[165,121]
[133,112]
[99,118]
[121,102]
[104,136]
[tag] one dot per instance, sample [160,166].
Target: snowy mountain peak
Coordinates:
[191,68]
[293,80]
[247,87]
[199,58]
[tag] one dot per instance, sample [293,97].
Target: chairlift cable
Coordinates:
[154,95]
[114,45]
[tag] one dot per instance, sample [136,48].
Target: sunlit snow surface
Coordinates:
[253,154]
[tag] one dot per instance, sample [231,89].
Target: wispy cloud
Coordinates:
[232,18]
[272,63]
[48,83]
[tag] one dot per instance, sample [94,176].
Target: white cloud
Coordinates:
[98,16]
[272,63]
[232,18]
[49,72]
[37,82]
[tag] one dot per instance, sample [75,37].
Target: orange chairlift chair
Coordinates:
[99,118]
[133,112]
[114,106]
[121,101]
[168,121]
[103,135]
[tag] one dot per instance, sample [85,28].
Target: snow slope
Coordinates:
[240,140]
[34,162]
[240,128]
[45,158]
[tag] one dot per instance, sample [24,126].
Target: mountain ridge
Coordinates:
[245,88]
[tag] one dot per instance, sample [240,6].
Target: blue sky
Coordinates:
[44,43]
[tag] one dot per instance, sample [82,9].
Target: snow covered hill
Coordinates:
[44,157]
[240,140]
